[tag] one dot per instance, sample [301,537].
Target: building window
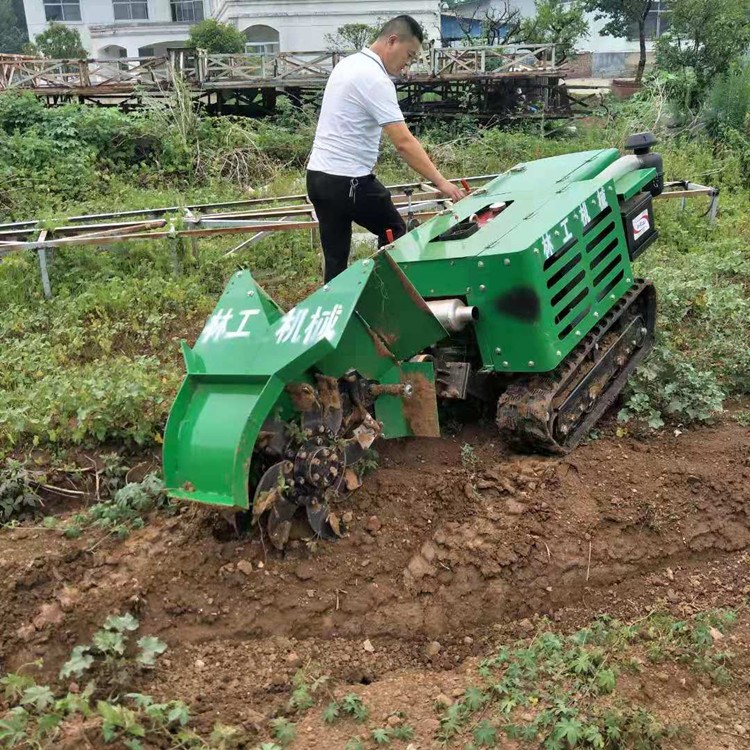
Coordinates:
[130,10]
[262,48]
[187,11]
[657,21]
[62,10]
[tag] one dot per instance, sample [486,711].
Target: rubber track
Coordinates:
[524,411]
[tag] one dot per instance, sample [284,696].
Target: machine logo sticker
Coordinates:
[641,224]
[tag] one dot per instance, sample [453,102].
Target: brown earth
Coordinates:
[437,553]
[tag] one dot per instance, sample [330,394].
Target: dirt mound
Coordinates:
[437,553]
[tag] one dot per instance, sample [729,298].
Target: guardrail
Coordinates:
[204,70]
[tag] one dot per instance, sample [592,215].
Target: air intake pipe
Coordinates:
[641,158]
[453,314]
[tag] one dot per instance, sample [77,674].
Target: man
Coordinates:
[358,104]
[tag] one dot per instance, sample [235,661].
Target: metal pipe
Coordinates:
[453,314]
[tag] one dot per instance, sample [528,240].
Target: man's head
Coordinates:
[399,43]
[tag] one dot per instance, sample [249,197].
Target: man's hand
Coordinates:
[449,190]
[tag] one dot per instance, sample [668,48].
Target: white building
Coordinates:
[139,28]
[602,55]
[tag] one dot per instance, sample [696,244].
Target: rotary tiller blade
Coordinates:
[280,522]
[317,517]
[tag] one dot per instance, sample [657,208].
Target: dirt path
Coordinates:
[442,562]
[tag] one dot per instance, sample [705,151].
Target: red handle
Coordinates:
[389,235]
[465,185]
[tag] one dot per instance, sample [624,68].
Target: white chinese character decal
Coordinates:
[216,328]
[320,325]
[584,214]
[564,225]
[241,333]
[217,325]
[547,245]
[291,326]
[601,196]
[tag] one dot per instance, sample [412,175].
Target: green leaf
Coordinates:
[47,724]
[133,744]
[284,731]
[593,737]
[109,642]
[331,712]
[39,696]
[178,713]
[606,680]
[474,698]
[354,743]
[150,648]
[301,699]
[570,730]
[485,735]
[380,736]
[121,623]
[80,660]
[352,705]
[140,700]
[15,685]
[403,732]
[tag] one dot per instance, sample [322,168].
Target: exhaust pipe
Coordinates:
[641,158]
[453,314]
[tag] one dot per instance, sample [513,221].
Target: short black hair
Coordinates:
[405,27]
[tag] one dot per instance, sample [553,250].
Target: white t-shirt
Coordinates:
[359,100]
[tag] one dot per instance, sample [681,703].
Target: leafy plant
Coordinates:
[107,653]
[469,457]
[352,705]
[18,496]
[284,731]
[58,42]
[213,36]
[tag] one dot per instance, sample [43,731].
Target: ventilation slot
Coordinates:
[616,279]
[604,253]
[559,253]
[560,273]
[570,306]
[573,323]
[569,287]
[608,270]
[594,223]
[600,237]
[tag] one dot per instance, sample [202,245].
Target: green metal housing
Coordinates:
[543,271]
[548,260]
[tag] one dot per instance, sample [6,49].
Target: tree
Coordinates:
[704,39]
[13,33]
[623,15]
[213,36]
[58,42]
[496,23]
[556,22]
[353,36]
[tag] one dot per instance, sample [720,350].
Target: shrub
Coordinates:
[213,36]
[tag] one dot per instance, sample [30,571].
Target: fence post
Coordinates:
[43,272]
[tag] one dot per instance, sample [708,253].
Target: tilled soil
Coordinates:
[443,559]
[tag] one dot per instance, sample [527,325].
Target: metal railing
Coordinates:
[203,70]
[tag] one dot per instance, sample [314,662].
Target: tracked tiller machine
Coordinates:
[522,295]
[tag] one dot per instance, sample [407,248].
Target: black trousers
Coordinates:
[338,201]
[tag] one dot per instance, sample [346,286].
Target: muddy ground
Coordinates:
[444,560]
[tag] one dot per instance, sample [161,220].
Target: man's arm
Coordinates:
[411,151]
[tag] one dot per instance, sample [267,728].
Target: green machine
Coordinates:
[521,296]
